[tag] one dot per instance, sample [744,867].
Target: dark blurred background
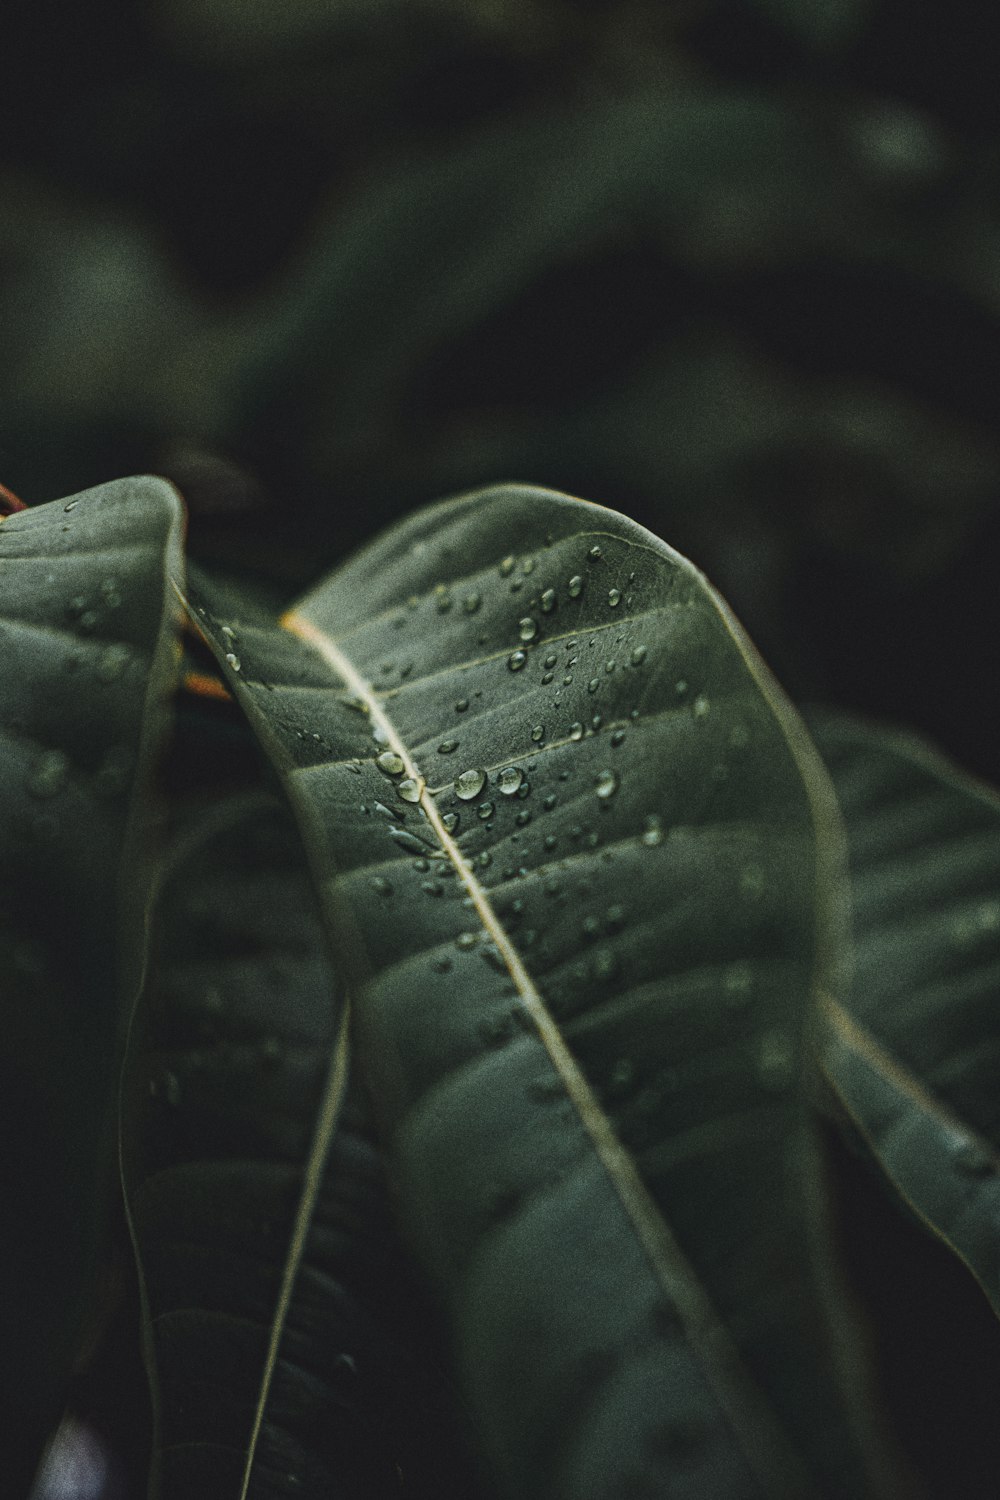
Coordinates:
[733,268]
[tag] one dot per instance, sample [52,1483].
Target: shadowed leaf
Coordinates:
[302,1343]
[912,1050]
[87,643]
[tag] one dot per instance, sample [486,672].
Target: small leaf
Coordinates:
[911,1049]
[581,945]
[87,639]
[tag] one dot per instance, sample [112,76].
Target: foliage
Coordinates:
[478,1069]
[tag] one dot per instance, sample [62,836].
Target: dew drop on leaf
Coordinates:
[595,554]
[450,821]
[617,737]
[470,784]
[466,940]
[391,763]
[232,660]
[509,780]
[575,586]
[409,790]
[517,660]
[593,684]
[653,832]
[485,810]
[576,731]
[606,785]
[615,598]
[462,705]
[71,505]
[973,1158]
[538,733]
[382,886]
[701,707]
[506,567]
[471,603]
[527,628]
[548,601]
[639,654]
[447,746]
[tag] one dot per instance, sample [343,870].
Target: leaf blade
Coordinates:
[434,1067]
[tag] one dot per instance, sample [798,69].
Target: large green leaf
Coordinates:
[572,843]
[272,1374]
[912,1051]
[86,637]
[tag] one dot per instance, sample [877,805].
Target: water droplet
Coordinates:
[385,812]
[233,661]
[567,679]
[391,763]
[605,964]
[615,598]
[71,505]
[606,784]
[467,940]
[551,660]
[516,660]
[442,965]
[442,599]
[462,705]
[681,687]
[409,789]
[408,841]
[447,746]
[506,567]
[549,802]
[617,737]
[471,603]
[111,593]
[523,819]
[575,586]
[701,707]
[113,662]
[509,780]
[470,784]
[516,585]
[548,601]
[609,666]
[451,821]
[431,887]
[593,684]
[379,884]
[485,810]
[527,628]
[546,678]
[576,731]
[638,656]
[615,916]
[49,774]
[538,733]
[653,831]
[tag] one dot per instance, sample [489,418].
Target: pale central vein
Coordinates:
[708,1335]
[326,1124]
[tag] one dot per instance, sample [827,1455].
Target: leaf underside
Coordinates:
[227,1074]
[912,1049]
[87,643]
[580,985]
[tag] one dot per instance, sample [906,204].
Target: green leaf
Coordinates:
[87,640]
[911,1050]
[570,840]
[276,1346]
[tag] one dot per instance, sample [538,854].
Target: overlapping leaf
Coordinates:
[912,1051]
[322,1381]
[86,637]
[566,832]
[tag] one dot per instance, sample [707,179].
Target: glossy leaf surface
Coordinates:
[87,644]
[566,833]
[286,1359]
[912,1051]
